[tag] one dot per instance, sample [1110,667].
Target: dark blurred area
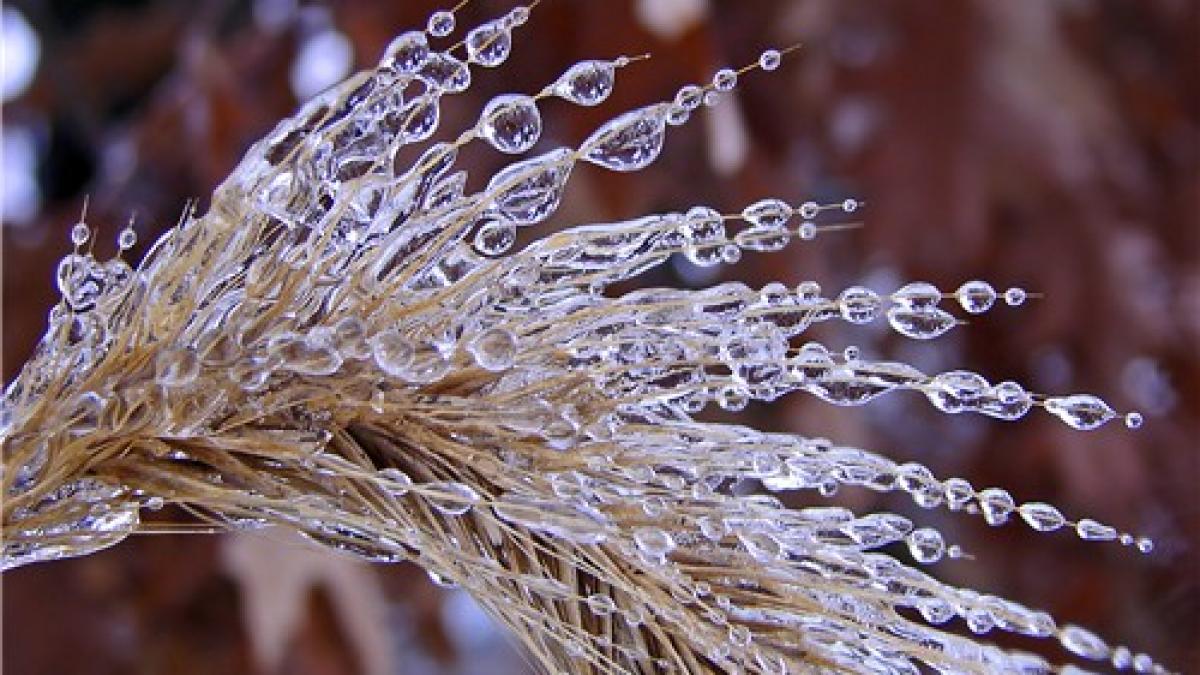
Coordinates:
[1051,145]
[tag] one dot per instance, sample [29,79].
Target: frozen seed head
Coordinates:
[380,316]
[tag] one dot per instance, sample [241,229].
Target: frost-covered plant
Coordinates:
[355,347]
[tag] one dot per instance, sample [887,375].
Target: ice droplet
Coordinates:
[441,24]
[511,123]
[489,44]
[1080,411]
[630,141]
[586,83]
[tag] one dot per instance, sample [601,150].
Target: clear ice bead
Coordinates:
[446,73]
[1080,411]
[859,305]
[80,233]
[1015,296]
[407,52]
[419,119]
[920,324]
[958,492]
[1042,517]
[1083,642]
[976,296]
[528,191]
[127,239]
[956,391]
[586,83]
[630,141]
[1091,530]
[926,545]
[769,60]
[769,213]
[725,79]
[917,295]
[495,237]
[997,505]
[511,123]
[441,24]
[489,44]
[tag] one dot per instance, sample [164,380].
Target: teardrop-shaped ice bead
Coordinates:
[419,118]
[586,83]
[1007,401]
[511,123]
[1091,530]
[1080,411]
[957,492]
[772,213]
[446,191]
[495,236]
[926,545]
[859,305]
[407,52]
[441,23]
[527,192]
[922,324]
[1083,642]
[763,238]
[997,505]
[628,142]
[445,73]
[489,44]
[956,391]
[917,295]
[689,97]
[1042,517]
[976,296]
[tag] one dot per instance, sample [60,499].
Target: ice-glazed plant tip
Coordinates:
[356,349]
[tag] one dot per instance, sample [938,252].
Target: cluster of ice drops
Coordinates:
[354,346]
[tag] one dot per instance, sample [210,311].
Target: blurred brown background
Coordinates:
[1050,144]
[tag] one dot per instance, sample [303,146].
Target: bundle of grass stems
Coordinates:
[351,345]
